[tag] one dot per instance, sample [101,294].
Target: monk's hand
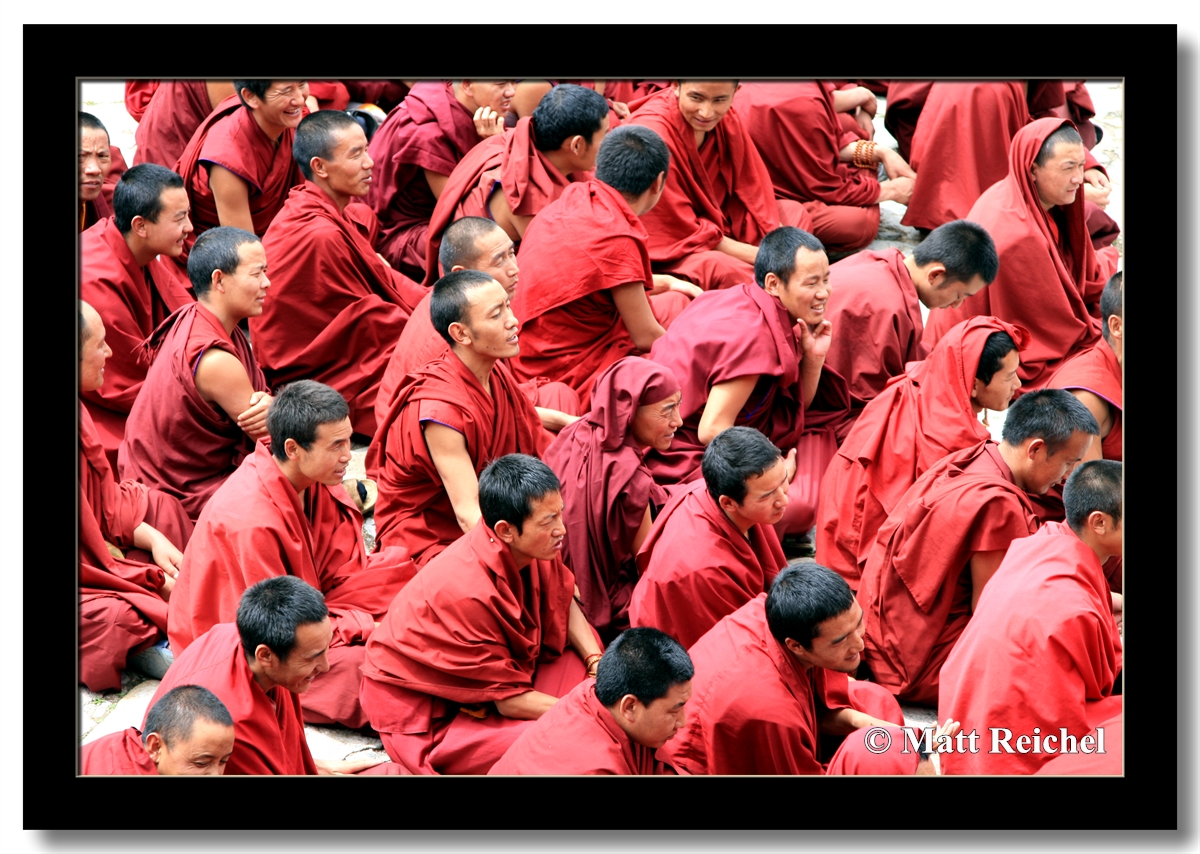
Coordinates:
[253,421]
[1118,611]
[949,728]
[384,260]
[345,767]
[167,586]
[166,556]
[311,103]
[815,340]
[488,122]
[895,165]
[865,122]
[789,465]
[620,108]
[898,190]
[664,283]
[868,103]
[1096,187]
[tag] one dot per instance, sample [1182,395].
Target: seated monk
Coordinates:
[127,272]
[929,411]
[590,297]
[615,724]
[204,402]
[277,650]
[813,159]
[611,497]
[530,166]
[713,548]
[285,512]
[172,115]
[449,419]
[1049,272]
[486,638]
[129,548]
[95,163]
[771,680]
[949,532]
[417,147]
[753,357]
[719,202]
[1044,647]
[338,307]
[188,731]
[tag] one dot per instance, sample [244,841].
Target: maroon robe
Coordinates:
[905,98]
[1098,371]
[860,753]
[172,116]
[1109,763]
[117,753]
[138,95]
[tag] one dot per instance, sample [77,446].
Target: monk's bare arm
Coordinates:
[634,307]
[1101,411]
[166,556]
[222,381]
[232,197]
[737,249]
[579,632]
[643,531]
[843,721]
[437,182]
[664,283]
[514,226]
[218,91]
[448,449]
[849,100]
[526,707]
[983,567]
[553,420]
[725,401]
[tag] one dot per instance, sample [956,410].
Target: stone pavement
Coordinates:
[113,711]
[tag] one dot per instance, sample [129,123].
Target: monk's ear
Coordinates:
[627,708]
[460,333]
[217,284]
[262,653]
[505,531]
[1116,326]
[317,165]
[1036,444]
[771,284]
[154,745]
[727,504]
[660,183]
[138,226]
[291,448]
[796,648]
[935,274]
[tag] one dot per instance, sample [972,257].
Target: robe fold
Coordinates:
[1042,650]
[856,757]
[1098,371]
[1108,763]
[171,117]
[905,98]
[117,753]
[138,95]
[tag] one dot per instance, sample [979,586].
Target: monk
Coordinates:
[95,162]
[338,307]
[188,731]
[172,114]
[530,166]
[772,380]
[615,724]
[1049,271]
[949,532]
[719,202]
[1043,650]
[929,411]
[126,270]
[486,638]
[813,159]
[285,512]
[771,679]
[590,297]
[204,402]
[713,548]
[417,148]
[611,497]
[450,418]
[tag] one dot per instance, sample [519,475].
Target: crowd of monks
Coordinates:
[612,347]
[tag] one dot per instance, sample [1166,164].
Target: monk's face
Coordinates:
[998,394]
[281,107]
[94,354]
[245,289]
[704,104]
[205,752]
[765,500]
[1061,178]
[655,424]
[542,532]
[168,233]
[327,458]
[1044,470]
[656,724]
[348,169]
[95,162]
[496,94]
[491,325]
[308,659]
[838,644]
[806,294]
[949,294]
[497,256]
[592,147]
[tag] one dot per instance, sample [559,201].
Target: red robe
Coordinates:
[471,628]
[754,709]
[1098,371]
[905,98]
[1042,279]
[334,310]
[696,567]
[268,732]
[916,584]
[176,110]
[430,130]
[578,736]
[117,753]
[119,167]
[256,527]
[1090,764]
[920,417]
[1042,651]
[606,489]
[138,95]
[414,510]
[177,441]
[859,754]
[132,301]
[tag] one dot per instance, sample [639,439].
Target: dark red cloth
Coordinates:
[471,628]
[905,99]
[413,509]
[268,728]
[916,584]
[1067,99]
[696,567]
[1109,762]
[172,116]
[117,753]
[131,301]
[920,417]
[1042,647]
[578,736]
[856,757]
[385,94]
[960,147]
[256,527]
[334,310]
[330,94]
[119,168]
[430,130]
[177,441]
[94,211]
[606,488]
[1098,371]
[138,95]
[1041,281]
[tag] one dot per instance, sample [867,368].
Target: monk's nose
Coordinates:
[91,166]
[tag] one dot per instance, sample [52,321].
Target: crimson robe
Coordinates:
[256,527]
[413,509]
[117,753]
[470,629]
[171,117]
[916,583]
[860,753]
[578,736]
[754,709]
[696,566]
[177,441]
[1042,650]
[905,99]
[1098,371]
[1108,763]
[430,130]
[385,94]
[334,310]
[138,95]
[132,301]
[606,489]
[920,417]
[119,168]
[268,728]
[1041,281]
